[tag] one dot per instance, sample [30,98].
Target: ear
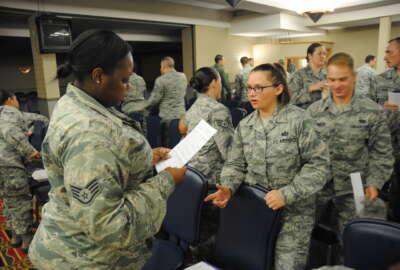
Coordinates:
[97,75]
[278,90]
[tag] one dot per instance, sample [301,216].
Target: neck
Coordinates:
[315,68]
[89,89]
[269,111]
[211,94]
[343,100]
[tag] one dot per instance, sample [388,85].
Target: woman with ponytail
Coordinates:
[210,159]
[104,201]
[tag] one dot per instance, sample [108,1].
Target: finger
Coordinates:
[210,197]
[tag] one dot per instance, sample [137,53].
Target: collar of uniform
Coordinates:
[320,75]
[206,97]
[329,104]
[255,121]
[89,101]
[9,108]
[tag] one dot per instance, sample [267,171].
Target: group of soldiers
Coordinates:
[305,137]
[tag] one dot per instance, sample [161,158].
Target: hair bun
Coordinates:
[64,70]
[196,83]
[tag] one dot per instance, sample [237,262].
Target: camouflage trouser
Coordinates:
[293,242]
[17,199]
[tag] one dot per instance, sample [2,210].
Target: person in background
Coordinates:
[16,152]
[277,147]
[104,201]
[241,84]
[291,67]
[169,94]
[306,84]
[389,81]
[212,156]
[358,137]
[251,62]
[365,75]
[226,95]
[134,98]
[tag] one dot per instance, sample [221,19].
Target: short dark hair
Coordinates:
[218,58]
[278,76]
[202,79]
[397,40]
[311,49]
[369,58]
[4,95]
[92,49]
[341,59]
[244,60]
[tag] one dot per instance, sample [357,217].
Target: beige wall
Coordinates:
[210,41]
[359,42]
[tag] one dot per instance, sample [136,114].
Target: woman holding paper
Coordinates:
[104,200]
[277,147]
[210,159]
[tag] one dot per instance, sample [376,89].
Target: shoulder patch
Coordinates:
[222,123]
[86,195]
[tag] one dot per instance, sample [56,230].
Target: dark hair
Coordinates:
[218,58]
[92,49]
[311,49]
[369,58]
[244,60]
[396,39]
[278,76]
[341,59]
[202,78]
[4,95]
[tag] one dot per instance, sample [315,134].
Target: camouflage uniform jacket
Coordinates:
[286,154]
[212,156]
[358,139]
[137,88]
[15,148]
[388,81]
[169,93]
[226,88]
[365,77]
[104,202]
[299,83]
[241,84]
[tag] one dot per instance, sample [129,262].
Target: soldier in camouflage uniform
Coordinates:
[241,85]
[276,146]
[135,99]
[210,159]
[104,202]
[389,81]
[355,129]
[365,76]
[226,95]
[169,94]
[307,84]
[16,151]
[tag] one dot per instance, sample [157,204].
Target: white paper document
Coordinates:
[394,97]
[358,191]
[40,175]
[188,147]
[201,266]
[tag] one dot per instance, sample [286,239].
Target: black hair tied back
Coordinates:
[64,70]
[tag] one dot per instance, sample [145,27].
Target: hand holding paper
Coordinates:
[358,192]
[188,147]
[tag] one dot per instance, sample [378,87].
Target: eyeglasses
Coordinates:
[258,88]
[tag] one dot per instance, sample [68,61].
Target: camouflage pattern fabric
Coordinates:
[365,78]
[299,83]
[285,154]
[241,84]
[104,202]
[210,159]
[226,88]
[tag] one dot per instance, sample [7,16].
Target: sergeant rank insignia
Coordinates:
[85,195]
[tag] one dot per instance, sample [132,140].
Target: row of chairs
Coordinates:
[248,230]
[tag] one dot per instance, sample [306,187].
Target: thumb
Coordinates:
[210,197]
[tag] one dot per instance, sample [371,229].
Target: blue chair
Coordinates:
[247,232]
[38,133]
[237,115]
[371,244]
[173,131]
[181,226]
[154,131]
